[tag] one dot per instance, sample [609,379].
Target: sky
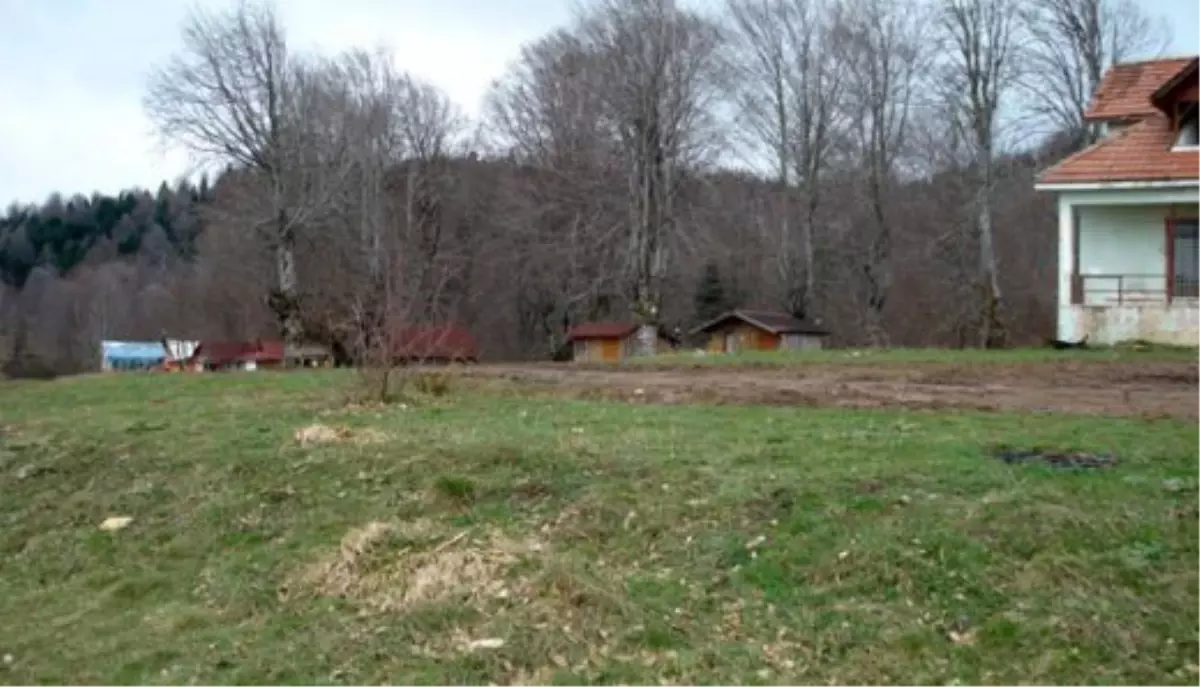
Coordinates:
[73,72]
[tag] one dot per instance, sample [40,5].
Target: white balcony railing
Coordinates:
[1130,289]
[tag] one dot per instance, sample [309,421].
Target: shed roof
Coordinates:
[601,330]
[767,320]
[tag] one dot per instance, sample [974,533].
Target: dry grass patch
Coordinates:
[394,567]
[324,434]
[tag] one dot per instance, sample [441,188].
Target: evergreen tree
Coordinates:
[710,298]
[61,234]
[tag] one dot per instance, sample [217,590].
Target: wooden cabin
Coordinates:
[595,342]
[759,330]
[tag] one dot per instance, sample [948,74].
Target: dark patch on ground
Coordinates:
[1054,458]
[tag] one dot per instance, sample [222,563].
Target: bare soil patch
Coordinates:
[1150,389]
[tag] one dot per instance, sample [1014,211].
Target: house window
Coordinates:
[1185,256]
[1189,134]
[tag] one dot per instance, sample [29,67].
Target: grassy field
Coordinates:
[491,538]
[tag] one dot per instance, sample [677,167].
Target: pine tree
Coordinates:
[710,298]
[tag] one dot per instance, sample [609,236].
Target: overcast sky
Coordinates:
[72,72]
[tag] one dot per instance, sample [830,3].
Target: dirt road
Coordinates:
[1150,389]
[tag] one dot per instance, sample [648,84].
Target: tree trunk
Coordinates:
[646,341]
[810,277]
[878,268]
[286,308]
[992,326]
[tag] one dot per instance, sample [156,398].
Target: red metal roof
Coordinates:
[427,342]
[1140,153]
[601,330]
[230,352]
[1126,89]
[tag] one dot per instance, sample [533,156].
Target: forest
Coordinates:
[865,164]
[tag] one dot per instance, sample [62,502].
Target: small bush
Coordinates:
[29,366]
[455,488]
[436,384]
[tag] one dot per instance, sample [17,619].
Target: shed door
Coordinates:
[610,349]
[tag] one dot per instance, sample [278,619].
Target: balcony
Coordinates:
[1131,290]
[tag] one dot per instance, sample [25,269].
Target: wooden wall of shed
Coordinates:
[592,350]
[802,342]
[749,338]
[581,350]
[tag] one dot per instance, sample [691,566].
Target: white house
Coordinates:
[1127,211]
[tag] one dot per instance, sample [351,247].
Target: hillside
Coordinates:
[484,532]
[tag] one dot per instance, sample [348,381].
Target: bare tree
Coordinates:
[552,122]
[381,258]
[786,87]
[236,96]
[1072,43]
[883,49]
[654,68]
[980,69]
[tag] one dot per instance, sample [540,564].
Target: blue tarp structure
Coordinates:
[131,355]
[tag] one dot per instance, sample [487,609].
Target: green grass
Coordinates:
[601,542]
[910,356]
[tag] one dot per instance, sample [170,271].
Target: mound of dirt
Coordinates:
[392,567]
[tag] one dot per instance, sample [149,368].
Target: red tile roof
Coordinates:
[601,330]
[1140,153]
[1143,150]
[1175,88]
[1125,90]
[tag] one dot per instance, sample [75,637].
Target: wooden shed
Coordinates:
[435,343]
[759,330]
[609,341]
[236,355]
